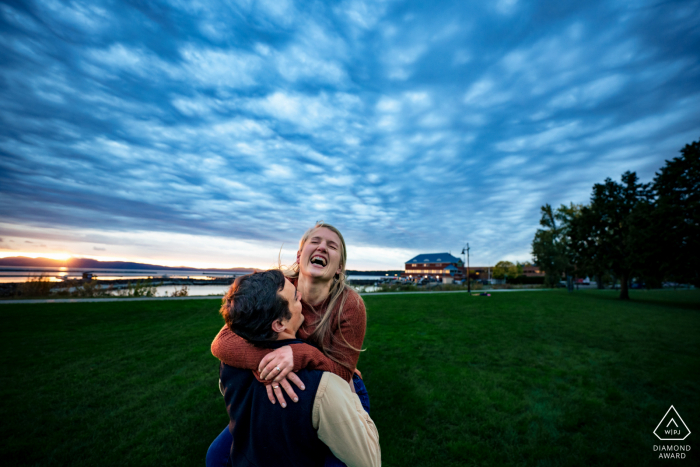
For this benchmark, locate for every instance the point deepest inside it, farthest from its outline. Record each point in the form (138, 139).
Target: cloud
(411, 127)
(220, 68)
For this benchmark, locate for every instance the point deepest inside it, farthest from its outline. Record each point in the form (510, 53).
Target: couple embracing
(288, 373)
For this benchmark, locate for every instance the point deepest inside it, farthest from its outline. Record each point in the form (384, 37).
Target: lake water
(58, 274)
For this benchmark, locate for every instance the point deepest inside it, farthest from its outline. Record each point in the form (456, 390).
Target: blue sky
(213, 134)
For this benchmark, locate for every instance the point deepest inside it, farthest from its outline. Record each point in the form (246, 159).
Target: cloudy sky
(214, 133)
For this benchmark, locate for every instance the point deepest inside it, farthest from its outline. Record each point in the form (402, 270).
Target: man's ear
(278, 327)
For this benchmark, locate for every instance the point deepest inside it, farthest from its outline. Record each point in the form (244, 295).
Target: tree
(676, 217)
(613, 231)
(550, 245)
(584, 249)
(503, 268)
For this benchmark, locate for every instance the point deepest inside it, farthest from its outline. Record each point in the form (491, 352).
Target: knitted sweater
(238, 353)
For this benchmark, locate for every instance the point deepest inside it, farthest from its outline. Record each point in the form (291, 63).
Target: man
(265, 309)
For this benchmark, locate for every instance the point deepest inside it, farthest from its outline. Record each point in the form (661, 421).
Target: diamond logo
(672, 427)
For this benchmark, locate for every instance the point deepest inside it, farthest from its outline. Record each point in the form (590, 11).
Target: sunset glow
(412, 127)
(61, 256)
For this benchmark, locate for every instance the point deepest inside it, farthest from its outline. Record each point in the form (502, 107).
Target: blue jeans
(220, 449)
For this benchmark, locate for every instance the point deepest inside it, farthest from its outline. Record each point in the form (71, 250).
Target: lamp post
(465, 250)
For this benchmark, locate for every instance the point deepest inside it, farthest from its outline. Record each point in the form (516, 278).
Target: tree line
(648, 232)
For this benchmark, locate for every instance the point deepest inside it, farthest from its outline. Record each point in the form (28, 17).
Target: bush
(142, 288)
(526, 280)
(181, 292)
(39, 286)
(397, 288)
(82, 288)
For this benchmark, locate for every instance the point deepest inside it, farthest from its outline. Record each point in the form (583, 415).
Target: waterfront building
(438, 266)
(447, 268)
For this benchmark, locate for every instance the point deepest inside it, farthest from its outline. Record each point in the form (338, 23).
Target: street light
(469, 283)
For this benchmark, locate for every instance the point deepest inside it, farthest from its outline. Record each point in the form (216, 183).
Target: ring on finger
(275, 387)
(277, 368)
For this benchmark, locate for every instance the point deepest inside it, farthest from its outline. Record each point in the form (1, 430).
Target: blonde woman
(334, 321)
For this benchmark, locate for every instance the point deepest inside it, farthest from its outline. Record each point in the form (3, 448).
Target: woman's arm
(347, 339)
(239, 353)
(235, 351)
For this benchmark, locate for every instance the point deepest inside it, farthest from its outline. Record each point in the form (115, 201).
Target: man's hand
(277, 364)
(275, 389)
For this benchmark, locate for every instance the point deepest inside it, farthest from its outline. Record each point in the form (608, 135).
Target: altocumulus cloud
(411, 126)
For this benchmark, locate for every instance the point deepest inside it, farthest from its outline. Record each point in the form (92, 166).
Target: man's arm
(343, 425)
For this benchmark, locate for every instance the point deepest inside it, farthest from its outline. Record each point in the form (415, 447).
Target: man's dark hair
(252, 304)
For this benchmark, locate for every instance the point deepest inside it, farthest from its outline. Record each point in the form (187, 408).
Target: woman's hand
(277, 364)
(275, 389)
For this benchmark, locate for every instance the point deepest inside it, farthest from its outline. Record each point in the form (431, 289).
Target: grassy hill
(528, 378)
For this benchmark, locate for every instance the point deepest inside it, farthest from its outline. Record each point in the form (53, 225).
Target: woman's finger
(263, 363)
(289, 390)
(296, 380)
(282, 373)
(270, 395)
(278, 393)
(263, 372)
(267, 369)
(271, 370)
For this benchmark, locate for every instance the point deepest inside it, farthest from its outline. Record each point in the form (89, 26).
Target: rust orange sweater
(238, 353)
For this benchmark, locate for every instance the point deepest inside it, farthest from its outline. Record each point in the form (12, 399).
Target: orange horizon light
(26, 254)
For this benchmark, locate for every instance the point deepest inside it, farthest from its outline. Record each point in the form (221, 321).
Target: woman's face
(320, 256)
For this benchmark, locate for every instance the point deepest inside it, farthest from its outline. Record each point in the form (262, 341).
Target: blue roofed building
(447, 268)
(440, 266)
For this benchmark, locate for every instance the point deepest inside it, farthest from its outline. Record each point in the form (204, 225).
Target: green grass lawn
(523, 378)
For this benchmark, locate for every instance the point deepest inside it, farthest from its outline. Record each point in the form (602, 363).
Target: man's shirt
(328, 414)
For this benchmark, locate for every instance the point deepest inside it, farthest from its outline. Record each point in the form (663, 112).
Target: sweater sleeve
(237, 352)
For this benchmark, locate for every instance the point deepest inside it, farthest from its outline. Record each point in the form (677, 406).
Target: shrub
(526, 280)
(39, 286)
(83, 288)
(142, 288)
(181, 292)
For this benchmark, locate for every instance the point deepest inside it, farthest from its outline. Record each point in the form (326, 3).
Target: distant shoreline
(87, 264)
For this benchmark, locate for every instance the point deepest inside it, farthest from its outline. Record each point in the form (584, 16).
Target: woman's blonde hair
(336, 297)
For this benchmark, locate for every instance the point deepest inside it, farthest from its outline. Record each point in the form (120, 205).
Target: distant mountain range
(86, 263)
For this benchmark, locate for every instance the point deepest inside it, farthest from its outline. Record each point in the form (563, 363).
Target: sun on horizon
(57, 256)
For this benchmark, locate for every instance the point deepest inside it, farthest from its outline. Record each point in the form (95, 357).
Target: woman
(334, 321)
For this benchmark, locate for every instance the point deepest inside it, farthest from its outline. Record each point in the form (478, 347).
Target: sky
(213, 134)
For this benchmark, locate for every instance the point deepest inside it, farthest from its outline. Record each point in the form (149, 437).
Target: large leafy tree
(584, 244)
(613, 231)
(676, 217)
(506, 268)
(550, 245)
